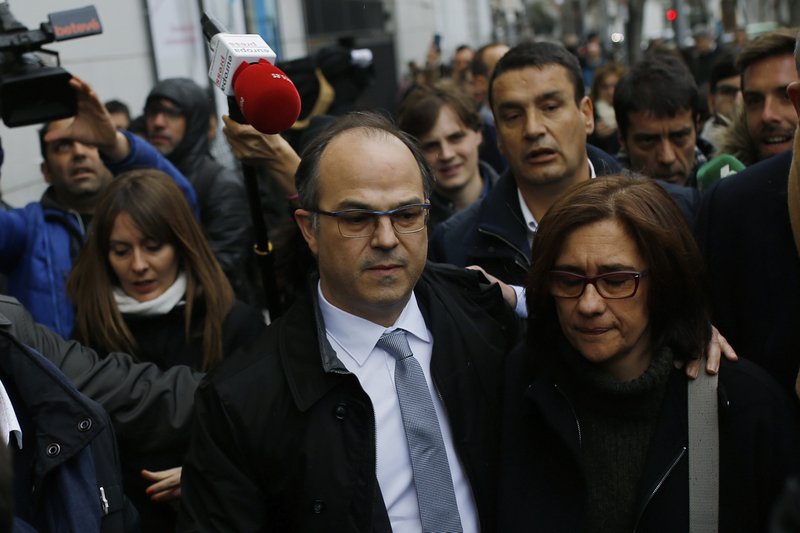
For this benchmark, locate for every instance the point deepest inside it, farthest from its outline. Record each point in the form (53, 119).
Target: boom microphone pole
(261, 95)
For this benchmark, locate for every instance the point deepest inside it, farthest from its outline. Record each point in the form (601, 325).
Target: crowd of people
(547, 292)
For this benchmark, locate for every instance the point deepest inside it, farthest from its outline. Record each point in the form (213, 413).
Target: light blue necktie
(438, 510)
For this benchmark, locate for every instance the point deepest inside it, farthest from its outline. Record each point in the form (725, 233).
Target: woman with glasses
(596, 413)
(147, 283)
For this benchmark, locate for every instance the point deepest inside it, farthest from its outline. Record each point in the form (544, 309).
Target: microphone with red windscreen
(263, 96)
(266, 96)
(242, 65)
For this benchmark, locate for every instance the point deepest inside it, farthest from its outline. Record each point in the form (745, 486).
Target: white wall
(116, 63)
(458, 21)
(291, 22)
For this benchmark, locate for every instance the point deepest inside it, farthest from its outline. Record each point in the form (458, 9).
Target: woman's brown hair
(160, 211)
(677, 305)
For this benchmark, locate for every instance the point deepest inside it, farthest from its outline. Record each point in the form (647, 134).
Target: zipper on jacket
(103, 501)
(658, 486)
(574, 414)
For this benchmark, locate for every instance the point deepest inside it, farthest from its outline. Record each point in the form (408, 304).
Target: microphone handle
(262, 246)
(211, 26)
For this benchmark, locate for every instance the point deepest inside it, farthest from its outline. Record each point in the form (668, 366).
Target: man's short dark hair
(775, 43)
(43, 145)
(478, 65)
(659, 84)
(540, 55)
(420, 109)
(307, 176)
(115, 106)
(724, 67)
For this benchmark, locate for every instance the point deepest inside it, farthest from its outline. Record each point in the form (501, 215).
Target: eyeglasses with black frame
(611, 285)
(355, 223)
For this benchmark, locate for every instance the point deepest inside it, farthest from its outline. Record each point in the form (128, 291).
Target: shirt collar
(530, 222)
(359, 336)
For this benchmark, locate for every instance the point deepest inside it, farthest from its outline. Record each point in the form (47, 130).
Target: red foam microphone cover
(267, 97)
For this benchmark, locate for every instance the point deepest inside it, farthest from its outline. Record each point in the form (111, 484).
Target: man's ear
(46, 172)
(794, 95)
(587, 110)
(304, 221)
(621, 139)
(710, 102)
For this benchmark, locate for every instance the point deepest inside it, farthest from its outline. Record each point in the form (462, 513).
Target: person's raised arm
(92, 125)
(272, 152)
(121, 151)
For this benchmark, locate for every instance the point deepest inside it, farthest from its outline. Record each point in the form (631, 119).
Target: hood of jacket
(737, 140)
(194, 101)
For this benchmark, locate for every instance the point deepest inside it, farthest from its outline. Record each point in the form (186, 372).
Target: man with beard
(749, 231)
(656, 108)
(177, 117)
(39, 242)
(767, 67)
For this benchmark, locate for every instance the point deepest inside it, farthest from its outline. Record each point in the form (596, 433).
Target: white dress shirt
(354, 339)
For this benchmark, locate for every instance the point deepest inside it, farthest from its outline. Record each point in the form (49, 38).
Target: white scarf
(161, 305)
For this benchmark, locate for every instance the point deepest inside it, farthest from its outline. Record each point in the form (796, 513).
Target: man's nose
(534, 127)
(80, 150)
(384, 235)
(666, 152)
(771, 112)
(447, 152)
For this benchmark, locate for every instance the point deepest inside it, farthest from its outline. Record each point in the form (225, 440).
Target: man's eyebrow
(682, 131)
(358, 204)
(510, 104)
(645, 136)
(549, 95)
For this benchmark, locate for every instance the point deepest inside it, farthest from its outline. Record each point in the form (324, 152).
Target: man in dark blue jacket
(542, 117)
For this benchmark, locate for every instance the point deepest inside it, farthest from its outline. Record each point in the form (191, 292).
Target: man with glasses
(724, 97)
(177, 117)
(316, 428)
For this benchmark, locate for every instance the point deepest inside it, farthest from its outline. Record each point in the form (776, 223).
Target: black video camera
(31, 91)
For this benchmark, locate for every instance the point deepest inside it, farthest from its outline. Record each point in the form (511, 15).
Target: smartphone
(437, 41)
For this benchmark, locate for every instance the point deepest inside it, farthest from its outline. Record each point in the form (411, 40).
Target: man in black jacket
(303, 432)
(177, 115)
(749, 232)
(542, 118)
